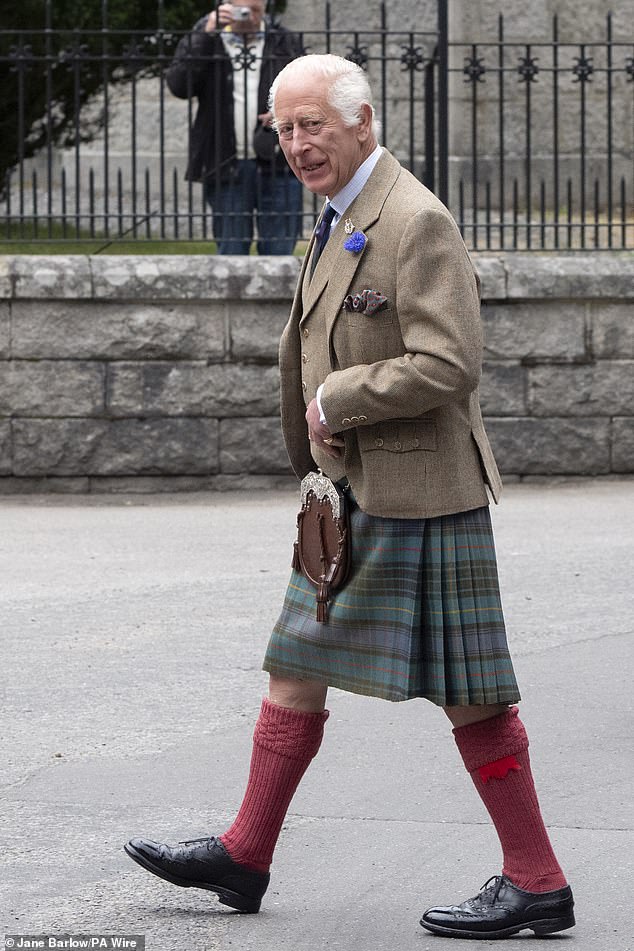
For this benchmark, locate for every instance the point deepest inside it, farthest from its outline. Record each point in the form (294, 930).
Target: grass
(152, 246)
(55, 246)
(22, 238)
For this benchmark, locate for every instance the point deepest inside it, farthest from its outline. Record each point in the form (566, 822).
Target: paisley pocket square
(367, 302)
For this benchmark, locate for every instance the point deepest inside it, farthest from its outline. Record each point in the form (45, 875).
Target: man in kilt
(380, 364)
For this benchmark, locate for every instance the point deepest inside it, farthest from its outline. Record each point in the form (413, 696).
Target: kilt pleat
(420, 616)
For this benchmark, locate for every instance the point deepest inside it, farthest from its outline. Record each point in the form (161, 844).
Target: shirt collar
(344, 198)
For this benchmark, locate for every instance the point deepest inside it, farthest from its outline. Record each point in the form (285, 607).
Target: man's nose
(299, 143)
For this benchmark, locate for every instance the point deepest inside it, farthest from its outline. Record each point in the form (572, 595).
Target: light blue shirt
(344, 198)
(341, 202)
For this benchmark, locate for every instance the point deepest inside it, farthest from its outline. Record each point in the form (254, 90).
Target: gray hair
(348, 86)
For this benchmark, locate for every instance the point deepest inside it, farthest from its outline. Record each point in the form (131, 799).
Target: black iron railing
(529, 143)
(112, 164)
(545, 159)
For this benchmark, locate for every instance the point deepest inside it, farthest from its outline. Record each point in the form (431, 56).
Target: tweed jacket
(401, 384)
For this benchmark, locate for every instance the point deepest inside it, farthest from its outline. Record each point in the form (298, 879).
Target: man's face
(252, 24)
(323, 153)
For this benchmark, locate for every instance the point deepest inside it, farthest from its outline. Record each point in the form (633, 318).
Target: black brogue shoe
(202, 863)
(500, 910)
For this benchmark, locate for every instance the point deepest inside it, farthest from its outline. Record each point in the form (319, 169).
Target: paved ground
(132, 631)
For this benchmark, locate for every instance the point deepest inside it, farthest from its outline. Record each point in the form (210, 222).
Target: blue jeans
(276, 201)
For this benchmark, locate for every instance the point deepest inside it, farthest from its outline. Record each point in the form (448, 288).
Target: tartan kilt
(420, 615)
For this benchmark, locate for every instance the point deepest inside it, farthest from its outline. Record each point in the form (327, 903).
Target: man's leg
(233, 204)
(279, 212)
(532, 891)
(287, 736)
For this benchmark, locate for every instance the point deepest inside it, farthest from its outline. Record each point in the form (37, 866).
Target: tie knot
(325, 223)
(329, 213)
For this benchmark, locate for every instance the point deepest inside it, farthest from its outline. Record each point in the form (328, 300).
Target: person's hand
(266, 119)
(319, 433)
(220, 17)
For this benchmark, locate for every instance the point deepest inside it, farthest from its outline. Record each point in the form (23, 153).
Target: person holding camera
(228, 63)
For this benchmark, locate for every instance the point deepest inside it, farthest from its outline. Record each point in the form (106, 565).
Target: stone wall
(152, 373)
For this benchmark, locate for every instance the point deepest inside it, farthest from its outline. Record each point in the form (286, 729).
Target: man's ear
(364, 127)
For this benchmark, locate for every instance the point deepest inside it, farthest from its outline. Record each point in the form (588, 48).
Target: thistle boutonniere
(356, 240)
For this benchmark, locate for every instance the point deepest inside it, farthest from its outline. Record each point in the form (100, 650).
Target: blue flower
(356, 242)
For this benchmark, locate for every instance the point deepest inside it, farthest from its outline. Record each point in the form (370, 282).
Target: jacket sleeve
(190, 66)
(292, 407)
(438, 309)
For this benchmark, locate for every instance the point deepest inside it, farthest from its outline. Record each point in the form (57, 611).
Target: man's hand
(319, 433)
(224, 16)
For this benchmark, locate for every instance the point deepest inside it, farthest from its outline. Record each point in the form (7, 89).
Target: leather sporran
(322, 551)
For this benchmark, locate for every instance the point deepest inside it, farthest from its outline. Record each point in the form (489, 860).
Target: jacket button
(378, 443)
(416, 443)
(345, 421)
(304, 358)
(306, 332)
(354, 419)
(398, 445)
(304, 387)
(363, 419)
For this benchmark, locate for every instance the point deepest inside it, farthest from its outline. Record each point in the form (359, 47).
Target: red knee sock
(495, 751)
(284, 742)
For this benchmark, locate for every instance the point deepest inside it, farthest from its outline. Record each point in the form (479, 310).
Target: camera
(241, 13)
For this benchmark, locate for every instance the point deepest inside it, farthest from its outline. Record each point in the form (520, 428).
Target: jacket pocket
(399, 435)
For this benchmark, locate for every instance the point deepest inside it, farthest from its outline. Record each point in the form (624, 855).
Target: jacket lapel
(337, 267)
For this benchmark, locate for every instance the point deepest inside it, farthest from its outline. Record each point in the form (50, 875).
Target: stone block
(613, 329)
(48, 277)
(623, 444)
(51, 388)
(192, 389)
(255, 329)
(6, 281)
(6, 464)
(252, 446)
(150, 277)
(556, 446)
(520, 331)
(605, 388)
(492, 276)
(503, 389)
(271, 278)
(5, 330)
(46, 485)
(119, 331)
(576, 276)
(178, 277)
(115, 448)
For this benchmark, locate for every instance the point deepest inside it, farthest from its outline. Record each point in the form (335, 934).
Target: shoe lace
(204, 838)
(491, 888)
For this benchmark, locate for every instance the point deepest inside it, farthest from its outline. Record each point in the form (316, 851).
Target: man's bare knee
(307, 695)
(463, 716)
